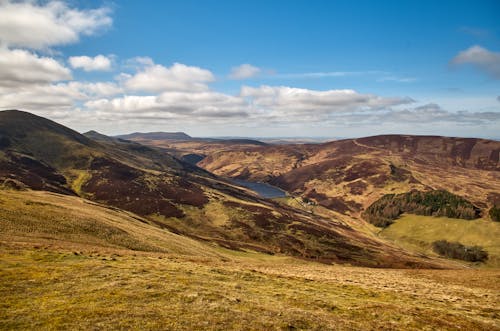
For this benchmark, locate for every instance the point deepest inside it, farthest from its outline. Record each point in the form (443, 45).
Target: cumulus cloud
(244, 71)
(45, 98)
(481, 58)
(97, 63)
(172, 105)
(43, 25)
(178, 77)
(20, 67)
(54, 97)
(288, 100)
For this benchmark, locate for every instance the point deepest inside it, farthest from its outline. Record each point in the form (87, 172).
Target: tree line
(456, 250)
(384, 211)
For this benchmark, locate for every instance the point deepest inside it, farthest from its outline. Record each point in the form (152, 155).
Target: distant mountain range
(156, 136)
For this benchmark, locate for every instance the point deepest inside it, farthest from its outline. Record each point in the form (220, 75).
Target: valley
(104, 226)
(224, 165)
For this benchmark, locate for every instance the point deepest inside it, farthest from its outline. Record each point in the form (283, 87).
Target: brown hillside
(348, 175)
(171, 194)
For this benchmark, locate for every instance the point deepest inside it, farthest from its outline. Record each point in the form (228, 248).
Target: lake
(262, 189)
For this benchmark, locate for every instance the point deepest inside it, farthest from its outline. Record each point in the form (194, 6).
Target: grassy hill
(97, 232)
(69, 263)
(45, 219)
(177, 196)
(417, 233)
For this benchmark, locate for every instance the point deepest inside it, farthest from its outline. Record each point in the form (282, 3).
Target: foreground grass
(57, 289)
(416, 232)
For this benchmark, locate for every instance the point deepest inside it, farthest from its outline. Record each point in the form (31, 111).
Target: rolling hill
(101, 231)
(70, 263)
(349, 175)
(354, 179)
(40, 154)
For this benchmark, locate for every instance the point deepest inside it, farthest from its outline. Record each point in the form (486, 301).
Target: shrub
(495, 213)
(456, 250)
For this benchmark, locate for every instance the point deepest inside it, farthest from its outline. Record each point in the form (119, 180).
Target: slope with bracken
(40, 154)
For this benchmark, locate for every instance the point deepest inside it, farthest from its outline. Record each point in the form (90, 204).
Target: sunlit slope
(419, 232)
(56, 289)
(37, 218)
(177, 196)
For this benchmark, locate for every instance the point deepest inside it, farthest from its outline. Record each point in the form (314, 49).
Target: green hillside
(419, 232)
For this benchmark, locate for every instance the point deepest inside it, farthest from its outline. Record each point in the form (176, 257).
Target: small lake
(262, 189)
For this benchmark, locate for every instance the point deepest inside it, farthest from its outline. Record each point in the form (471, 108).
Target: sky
(255, 68)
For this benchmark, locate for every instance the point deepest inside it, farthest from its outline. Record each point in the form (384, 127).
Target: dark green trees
(384, 211)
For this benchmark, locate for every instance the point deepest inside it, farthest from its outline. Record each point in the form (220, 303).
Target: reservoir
(262, 189)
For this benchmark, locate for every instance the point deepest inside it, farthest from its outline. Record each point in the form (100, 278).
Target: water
(262, 189)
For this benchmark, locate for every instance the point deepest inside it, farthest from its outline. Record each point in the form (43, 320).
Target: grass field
(47, 289)
(67, 263)
(419, 232)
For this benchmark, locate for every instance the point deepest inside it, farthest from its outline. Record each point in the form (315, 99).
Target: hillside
(101, 231)
(69, 263)
(417, 233)
(193, 150)
(349, 175)
(172, 194)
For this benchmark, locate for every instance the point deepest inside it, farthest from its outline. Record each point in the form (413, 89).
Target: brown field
(68, 263)
(61, 288)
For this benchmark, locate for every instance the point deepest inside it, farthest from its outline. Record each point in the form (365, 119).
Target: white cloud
(244, 71)
(97, 63)
(287, 101)
(195, 106)
(20, 67)
(98, 89)
(43, 25)
(43, 98)
(54, 97)
(178, 77)
(481, 58)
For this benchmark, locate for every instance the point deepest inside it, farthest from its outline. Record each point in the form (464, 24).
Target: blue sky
(260, 68)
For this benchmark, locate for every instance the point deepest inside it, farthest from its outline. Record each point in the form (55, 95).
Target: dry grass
(44, 218)
(92, 267)
(417, 233)
(46, 289)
